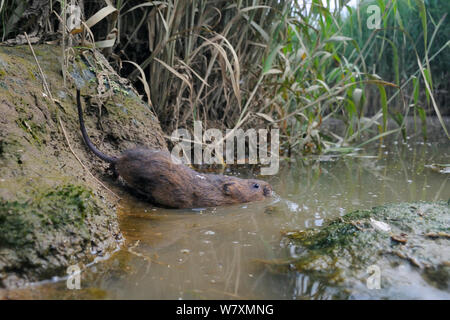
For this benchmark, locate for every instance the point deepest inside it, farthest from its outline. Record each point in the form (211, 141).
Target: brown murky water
(213, 253)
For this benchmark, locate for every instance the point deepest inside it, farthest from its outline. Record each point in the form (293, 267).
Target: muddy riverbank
(53, 212)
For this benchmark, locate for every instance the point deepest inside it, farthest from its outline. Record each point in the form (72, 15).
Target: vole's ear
(228, 188)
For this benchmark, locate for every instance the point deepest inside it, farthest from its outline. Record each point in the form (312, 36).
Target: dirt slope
(53, 213)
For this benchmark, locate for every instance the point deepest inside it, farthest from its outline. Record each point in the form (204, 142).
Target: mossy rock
(50, 232)
(407, 243)
(53, 211)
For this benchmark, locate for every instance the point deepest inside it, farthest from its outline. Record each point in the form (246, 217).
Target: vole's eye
(255, 186)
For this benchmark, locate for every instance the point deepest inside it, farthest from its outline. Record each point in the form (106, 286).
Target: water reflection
(214, 253)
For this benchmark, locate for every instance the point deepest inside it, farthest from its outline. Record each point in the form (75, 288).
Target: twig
(46, 87)
(140, 255)
(70, 147)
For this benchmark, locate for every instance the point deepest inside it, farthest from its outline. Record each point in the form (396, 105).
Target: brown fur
(153, 174)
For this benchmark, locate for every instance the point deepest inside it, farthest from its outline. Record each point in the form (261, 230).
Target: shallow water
(214, 253)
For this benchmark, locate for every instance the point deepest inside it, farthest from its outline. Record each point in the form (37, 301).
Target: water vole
(154, 174)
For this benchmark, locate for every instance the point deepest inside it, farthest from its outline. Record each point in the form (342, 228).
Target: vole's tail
(97, 152)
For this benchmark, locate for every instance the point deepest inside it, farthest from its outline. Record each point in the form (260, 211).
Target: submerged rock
(388, 252)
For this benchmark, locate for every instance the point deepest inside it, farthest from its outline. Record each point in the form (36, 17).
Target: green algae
(409, 235)
(58, 219)
(22, 222)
